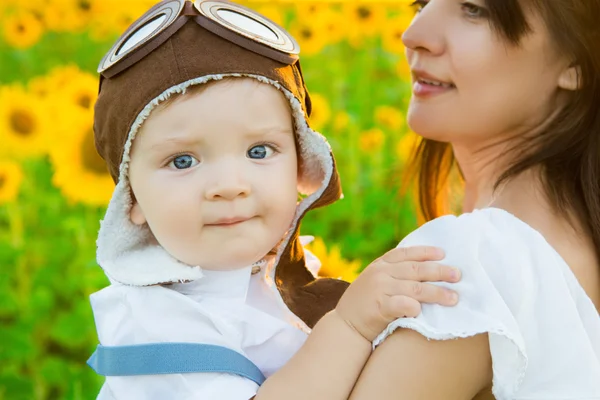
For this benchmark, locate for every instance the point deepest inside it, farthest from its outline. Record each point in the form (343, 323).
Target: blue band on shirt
(171, 358)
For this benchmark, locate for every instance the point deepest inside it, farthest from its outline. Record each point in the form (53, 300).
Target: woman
(510, 91)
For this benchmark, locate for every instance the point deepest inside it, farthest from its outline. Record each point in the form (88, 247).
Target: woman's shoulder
(492, 246)
(518, 289)
(489, 235)
(496, 222)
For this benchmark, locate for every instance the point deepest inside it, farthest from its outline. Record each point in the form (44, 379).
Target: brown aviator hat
(175, 45)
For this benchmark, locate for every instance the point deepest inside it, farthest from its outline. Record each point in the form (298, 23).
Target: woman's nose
(425, 33)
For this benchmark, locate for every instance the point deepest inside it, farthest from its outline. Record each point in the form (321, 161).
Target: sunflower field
(54, 187)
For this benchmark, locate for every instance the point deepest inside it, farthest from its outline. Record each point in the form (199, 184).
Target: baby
(202, 118)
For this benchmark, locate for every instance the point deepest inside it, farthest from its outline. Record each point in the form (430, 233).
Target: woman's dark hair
(568, 150)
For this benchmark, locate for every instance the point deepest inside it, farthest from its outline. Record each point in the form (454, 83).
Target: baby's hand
(391, 287)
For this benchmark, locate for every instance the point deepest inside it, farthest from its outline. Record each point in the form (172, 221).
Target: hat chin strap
(129, 254)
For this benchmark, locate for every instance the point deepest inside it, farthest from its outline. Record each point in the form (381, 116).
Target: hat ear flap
(308, 103)
(299, 77)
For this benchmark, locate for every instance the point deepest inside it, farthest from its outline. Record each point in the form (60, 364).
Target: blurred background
(54, 187)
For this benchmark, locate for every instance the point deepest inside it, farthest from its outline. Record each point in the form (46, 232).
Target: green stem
(16, 226)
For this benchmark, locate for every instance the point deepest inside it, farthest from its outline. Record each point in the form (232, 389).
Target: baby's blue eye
(183, 162)
(260, 152)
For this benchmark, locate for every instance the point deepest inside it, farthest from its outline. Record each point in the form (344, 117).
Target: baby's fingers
(416, 253)
(395, 307)
(423, 292)
(406, 300)
(423, 271)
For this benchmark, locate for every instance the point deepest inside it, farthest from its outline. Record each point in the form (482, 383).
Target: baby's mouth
(228, 221)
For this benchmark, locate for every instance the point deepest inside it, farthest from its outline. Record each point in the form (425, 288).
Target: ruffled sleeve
(544, 332)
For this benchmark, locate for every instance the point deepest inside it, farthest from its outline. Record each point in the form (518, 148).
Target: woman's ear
(570, 79)
(136, 215)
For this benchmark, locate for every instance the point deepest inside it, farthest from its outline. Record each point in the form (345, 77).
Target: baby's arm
(331, 360)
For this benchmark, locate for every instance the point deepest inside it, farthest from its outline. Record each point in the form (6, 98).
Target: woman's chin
(428, 128)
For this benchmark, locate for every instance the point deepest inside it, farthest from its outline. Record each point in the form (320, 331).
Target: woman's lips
(426, 89)
(427, 85)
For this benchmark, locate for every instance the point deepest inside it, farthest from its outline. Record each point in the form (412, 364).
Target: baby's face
(214, 174)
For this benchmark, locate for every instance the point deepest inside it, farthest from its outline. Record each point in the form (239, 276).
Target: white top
(233, 309)
(544, 331)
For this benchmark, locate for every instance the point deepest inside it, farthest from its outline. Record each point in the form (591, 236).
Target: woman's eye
(472, 10)
(184, 161)
(260, 152)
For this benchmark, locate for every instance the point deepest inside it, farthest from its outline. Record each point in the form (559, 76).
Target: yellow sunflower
(11, 177)
(406, 146)
(79, 172)
(389, 117)
(57, 79)
(310, 37)
(77, 87)
(102, 29)
(273, 13)
(341, 121)
(309, 10)
(392, 32)
(321, 112)
(23, 123)
(402, 7)
(135, 9)
(331, 23)
(82, 91)
(333, 265)
(38, 86)
(372, 140)
(403, 69)
(22, 30)
(364, 19)
(85, 8)
(129, 12)
(60, 16)
(114, 16)
(312, 12)
(9, 6)
(69, 15)
(6, 5)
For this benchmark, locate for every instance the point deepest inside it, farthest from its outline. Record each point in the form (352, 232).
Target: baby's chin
(229, 263)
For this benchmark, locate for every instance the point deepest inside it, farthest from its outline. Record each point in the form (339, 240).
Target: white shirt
(544, 331)
(233, 309)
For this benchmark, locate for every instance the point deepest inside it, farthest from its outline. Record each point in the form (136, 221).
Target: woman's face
(470, 85)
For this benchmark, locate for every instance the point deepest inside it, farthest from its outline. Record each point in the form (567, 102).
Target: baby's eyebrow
(272, 130)
(166, 143)
(174, 141)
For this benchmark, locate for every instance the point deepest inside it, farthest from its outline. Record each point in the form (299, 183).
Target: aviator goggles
(230, 21)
